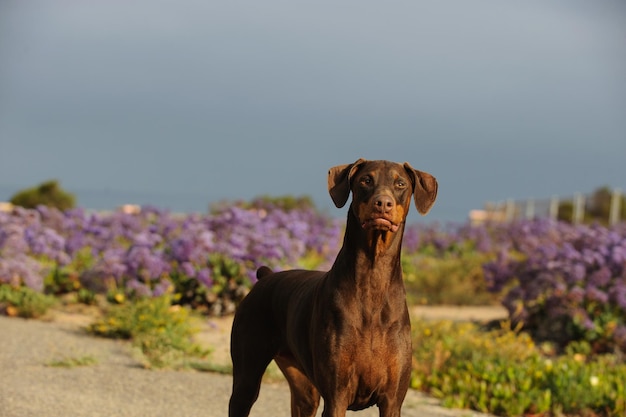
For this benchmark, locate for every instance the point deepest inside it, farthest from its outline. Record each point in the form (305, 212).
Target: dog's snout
(383, 203)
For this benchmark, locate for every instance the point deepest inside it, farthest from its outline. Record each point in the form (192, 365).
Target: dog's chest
(374, 370)
(371, 354)
(377, 359)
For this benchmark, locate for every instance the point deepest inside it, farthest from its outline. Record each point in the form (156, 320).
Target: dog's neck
(371, 257)
(368, 274)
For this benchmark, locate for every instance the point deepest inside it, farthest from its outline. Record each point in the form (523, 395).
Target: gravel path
(117, 385)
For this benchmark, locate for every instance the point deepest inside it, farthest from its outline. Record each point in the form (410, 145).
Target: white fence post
(530, 209)
(579, 208)
(616, 201)
(554, 207)
(509, 210)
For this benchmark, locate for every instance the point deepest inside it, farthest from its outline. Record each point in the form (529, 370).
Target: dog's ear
(339, 182)
(424, 188)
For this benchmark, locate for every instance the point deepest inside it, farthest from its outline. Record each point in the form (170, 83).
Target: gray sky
(181, 103)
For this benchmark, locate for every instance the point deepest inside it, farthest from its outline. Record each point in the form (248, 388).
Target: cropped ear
(339, 182)
(424, 188)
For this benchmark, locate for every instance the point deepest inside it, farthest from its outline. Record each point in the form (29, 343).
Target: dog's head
(381, 191)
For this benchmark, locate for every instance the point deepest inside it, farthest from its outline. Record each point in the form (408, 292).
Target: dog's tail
(263, 272)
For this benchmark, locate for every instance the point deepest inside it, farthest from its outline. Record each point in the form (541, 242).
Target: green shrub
(48, 193)
(66, 279)
(24, 302)
(162, 332)
(228, 287)
(451, 278)
(502, 372)
(578, 384)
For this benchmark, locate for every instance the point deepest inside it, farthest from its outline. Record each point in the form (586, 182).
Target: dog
(345, 334)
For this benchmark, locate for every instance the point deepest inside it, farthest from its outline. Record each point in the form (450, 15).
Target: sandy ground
(116, 385)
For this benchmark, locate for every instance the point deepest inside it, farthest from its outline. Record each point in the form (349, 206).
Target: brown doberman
(342, 334)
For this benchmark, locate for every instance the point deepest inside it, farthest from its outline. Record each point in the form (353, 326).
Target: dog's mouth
(380, 223)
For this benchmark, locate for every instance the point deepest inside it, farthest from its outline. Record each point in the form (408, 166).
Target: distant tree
(287, 203)
(566, 211)
(597, 207)
(599, 204)
(48, 193)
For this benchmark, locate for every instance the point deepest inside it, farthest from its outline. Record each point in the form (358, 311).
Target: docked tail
(263, 272)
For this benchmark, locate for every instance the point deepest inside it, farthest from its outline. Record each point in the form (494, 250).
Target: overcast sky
(182, 103)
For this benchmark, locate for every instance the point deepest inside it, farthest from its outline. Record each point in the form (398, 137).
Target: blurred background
(183, 104)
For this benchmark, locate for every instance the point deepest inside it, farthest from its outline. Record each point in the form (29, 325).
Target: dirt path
(117, 386)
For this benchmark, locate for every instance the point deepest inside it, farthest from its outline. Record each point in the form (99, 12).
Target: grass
(73, 362)
(24, 302)
(208, 366)
(161, 332)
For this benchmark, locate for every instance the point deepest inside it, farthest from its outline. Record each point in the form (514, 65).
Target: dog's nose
(383, 203)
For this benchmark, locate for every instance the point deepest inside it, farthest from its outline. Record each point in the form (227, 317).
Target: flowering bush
(565, 282)
(503, 372)
(155, 252)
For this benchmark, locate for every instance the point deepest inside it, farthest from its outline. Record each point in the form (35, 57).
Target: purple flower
(21, 270)
(617, 294)
(144, 263)
(576, 295)
(601, 277)
(620, 337)
(204, 277)
(594, 294)
(181, 249)
(161, 288)
(138, 288)
(582, 319)
(618, 254)
(111, 265)
(148, 239)
(577, 272)
(188, 269)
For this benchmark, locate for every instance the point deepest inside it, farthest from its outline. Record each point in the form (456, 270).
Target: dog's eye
(400, 184)
(367, 180)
